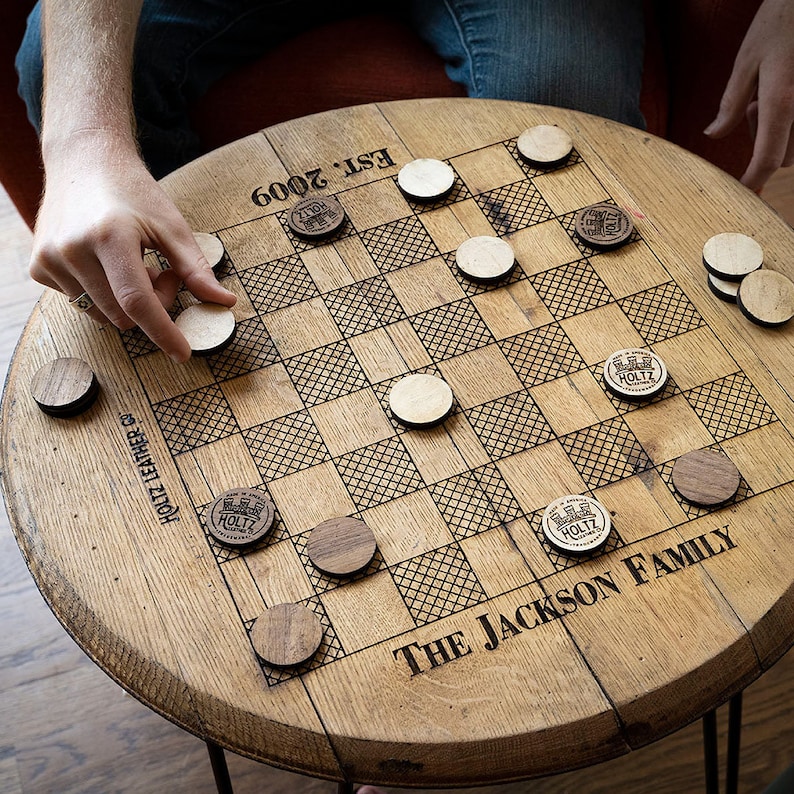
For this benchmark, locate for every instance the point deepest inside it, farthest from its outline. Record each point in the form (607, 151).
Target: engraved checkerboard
(463, 583)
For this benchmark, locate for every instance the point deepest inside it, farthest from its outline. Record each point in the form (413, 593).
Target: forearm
(88, 52)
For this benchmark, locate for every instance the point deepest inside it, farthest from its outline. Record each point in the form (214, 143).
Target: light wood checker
(681, 608)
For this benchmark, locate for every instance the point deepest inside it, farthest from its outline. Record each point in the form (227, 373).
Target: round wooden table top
(469, 650)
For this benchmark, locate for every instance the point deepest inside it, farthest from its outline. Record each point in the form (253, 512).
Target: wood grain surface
(646, 646)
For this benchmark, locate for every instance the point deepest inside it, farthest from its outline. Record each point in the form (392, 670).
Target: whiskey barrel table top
(469, 650)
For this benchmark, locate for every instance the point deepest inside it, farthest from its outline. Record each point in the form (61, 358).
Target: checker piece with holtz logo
(240, 516)
(635, 374)
(576, 524)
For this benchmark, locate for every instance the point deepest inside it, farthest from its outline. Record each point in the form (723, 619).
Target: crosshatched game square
(571, 289)
(597, 334)
(668, 429)
(302, 327)
(488, 168)
(661, 312)
(542, 354)
(399, 244)
(573, 402)
(374, 204)
(640, 506)
(538, 476)
(605, 452)
(513, 207)
(286, 445)
(543, 246)
(451, 330)
(425, 286)
(407, 526)
(262, 395)
(326, 373)
(367, 611)
(351, 421)
(378, 473)
(255, 242)
(310, 496)
(510, 424)
(480, 376)
(278, 283)
(464, 505)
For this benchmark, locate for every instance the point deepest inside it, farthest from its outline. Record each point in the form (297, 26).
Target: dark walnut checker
(341, 546)
(316, 217)
(544, 145)
(485, 258)
(286, 635)
(208, 327)
(426, 179)
(576, 524)
(732, 255)
(635, 374)
(421, 400)
(767, 298)
(706, 477)
(603, 226)
(64, 387)
(240, 516)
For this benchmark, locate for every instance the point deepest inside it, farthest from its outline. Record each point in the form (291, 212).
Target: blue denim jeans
(582, 54)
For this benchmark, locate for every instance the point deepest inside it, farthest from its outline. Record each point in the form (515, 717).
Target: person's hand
(761, 88)
(101, 209)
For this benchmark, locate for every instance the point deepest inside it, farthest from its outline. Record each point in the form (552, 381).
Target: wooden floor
(65, 727)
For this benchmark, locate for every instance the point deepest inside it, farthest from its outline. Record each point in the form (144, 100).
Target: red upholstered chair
(691, 46)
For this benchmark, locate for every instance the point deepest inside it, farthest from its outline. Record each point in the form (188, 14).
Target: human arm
(101, 206)
(761, 88)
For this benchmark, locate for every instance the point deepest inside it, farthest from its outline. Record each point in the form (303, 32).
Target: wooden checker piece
(341, 546)
(286, 635)
(576, 524)
(240, 517)
(603, 226)
(316, 217)
(635, 374)
(208, 327)
(724, 290)
(421, 400)
(544, 145)
(732, 256)
(426, 179)
(64, 387)
(211, 247)
(706, 477)
(767, 298)
(485, 259)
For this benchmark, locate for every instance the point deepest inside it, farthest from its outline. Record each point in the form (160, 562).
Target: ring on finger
(82, 303)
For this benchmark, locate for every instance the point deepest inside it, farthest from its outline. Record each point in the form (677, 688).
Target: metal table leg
(710, 752)
(219, 769)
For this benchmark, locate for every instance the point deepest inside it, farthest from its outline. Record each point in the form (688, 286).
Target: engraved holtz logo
(240, 516)
(575, 523)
